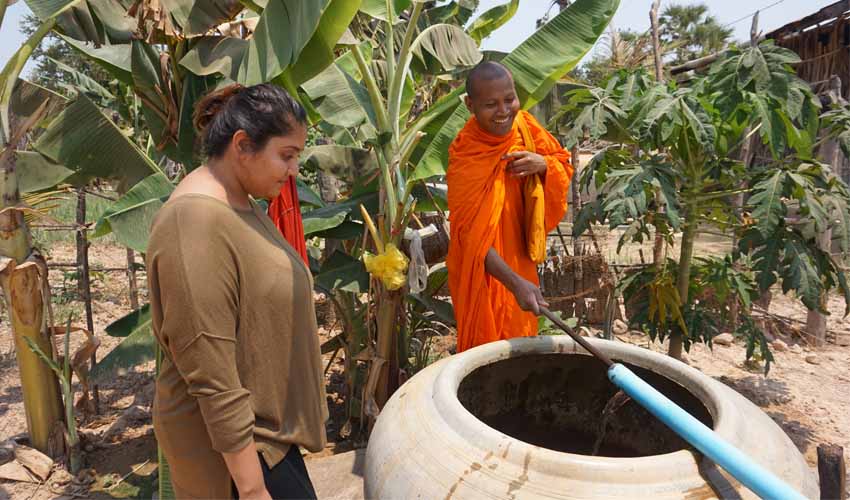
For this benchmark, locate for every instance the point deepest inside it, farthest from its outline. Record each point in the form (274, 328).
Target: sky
(632, 14)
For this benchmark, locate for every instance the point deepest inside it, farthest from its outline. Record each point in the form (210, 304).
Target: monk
(498, 220)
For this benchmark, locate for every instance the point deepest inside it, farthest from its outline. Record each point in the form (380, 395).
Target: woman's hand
(528, 295)
(263, 494)
(525, 163)
(260, 494)
(246, 471)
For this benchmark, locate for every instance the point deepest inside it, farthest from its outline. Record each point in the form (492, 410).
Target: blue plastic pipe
(755, 477)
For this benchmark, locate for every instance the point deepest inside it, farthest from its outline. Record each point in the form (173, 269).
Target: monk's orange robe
(285, 212)
(486, 210)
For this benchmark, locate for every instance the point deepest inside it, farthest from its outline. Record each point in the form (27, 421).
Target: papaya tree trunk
(21, 283)
(689, 233)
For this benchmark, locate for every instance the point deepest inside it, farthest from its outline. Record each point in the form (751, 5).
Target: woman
(240, 388)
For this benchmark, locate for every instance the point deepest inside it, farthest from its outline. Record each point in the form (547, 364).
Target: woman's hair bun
(213, 103)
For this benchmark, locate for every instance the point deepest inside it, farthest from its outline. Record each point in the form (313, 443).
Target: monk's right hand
(528, 296)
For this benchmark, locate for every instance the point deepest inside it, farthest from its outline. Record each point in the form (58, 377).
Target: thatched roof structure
(822, 40)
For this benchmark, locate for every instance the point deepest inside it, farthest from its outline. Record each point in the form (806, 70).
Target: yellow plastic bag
(390, 266)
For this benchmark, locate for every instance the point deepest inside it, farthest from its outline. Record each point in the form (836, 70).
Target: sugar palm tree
(693, 29)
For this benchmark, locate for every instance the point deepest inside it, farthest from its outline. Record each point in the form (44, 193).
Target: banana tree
(22, 271)
(366, 101)
(681, 141)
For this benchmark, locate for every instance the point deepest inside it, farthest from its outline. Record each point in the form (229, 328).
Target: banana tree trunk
(684, 276)
(21, 283)
(389, 304)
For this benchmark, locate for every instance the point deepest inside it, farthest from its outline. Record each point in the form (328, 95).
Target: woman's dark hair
(262, 111)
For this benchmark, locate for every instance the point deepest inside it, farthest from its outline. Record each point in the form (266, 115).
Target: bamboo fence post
(131, 278)
(84, 283)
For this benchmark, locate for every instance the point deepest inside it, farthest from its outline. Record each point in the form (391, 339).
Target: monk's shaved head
(485, 71)
(491, 97)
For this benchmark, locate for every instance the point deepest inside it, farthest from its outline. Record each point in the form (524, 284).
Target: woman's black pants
(288, 479)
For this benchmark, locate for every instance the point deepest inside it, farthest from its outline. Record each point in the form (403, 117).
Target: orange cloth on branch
(285, 212)
(487, 210)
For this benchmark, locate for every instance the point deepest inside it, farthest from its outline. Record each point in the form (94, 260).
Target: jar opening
(558, 401)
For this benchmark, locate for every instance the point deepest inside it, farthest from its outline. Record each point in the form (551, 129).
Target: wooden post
(832, 472)
(656, 40)
(576, 192)
(754, 30)
(83, 281)
(131, 279)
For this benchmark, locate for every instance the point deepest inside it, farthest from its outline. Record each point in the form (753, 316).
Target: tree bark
(83, 281)
(684, 277)
(22, 284)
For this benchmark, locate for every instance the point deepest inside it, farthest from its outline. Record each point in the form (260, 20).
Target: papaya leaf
(801, 275)
(767, 200)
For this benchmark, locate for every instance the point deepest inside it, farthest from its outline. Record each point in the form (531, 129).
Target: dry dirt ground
(811, 402)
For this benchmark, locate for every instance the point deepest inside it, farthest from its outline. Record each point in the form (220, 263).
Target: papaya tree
(682, 140)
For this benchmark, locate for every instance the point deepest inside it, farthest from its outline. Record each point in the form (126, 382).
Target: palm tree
(695, 32)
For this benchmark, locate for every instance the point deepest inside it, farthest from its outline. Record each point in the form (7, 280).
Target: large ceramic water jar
(521, 418)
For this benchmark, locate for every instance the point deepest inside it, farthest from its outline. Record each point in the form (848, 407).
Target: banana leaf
(196, 17)
(130, 217)
(283, 31)
(28, 97)
(378, 8)
(492, 20)
(115, 59)
(216, 54)
(306, 195)
(137, 348)
(136, 320)
(443, 48)
(13, 67)
(87, 142)
(319, 51)
(36, 173)
(348, 163)
(47, 9)
(117, 25)
(343, 272)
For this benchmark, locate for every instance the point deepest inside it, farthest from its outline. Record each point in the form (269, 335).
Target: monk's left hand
(525, 163)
